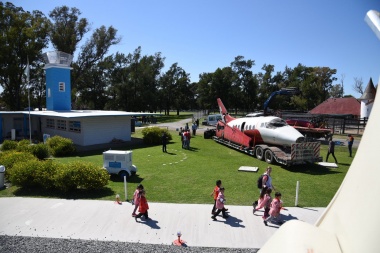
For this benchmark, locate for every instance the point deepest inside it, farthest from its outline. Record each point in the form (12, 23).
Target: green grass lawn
(188, 176)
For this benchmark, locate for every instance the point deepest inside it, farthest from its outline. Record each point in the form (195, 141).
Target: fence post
(125, 188)
(297, 189)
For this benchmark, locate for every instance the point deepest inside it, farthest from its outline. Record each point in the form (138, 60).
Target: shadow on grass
(133, 179)
(74, 194)
(311, 169)
(193, 149)
(135, 143)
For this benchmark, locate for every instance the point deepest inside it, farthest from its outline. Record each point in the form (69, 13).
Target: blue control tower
(58, 81)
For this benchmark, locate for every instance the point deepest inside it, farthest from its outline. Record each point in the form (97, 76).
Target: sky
(203, 35)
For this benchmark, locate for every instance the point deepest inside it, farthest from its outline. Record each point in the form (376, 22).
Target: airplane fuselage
(268, 130)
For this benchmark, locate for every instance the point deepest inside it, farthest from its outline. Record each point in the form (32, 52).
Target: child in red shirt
(275, 208)
(215, 193)
(143, 207)
(136, 198)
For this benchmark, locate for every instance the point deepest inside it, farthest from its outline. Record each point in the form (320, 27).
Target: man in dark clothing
(164, 141)
(350, 143)
(331, 150)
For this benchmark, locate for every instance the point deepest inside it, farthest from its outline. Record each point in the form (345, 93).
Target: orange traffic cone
(118, 199)
(179, 242)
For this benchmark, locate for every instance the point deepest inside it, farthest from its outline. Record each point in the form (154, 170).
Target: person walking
(264, 200)
(164, 141)
(220, 204)
(143, 207)
(266, 183)
(194, 128)
(267, 179)
(184, 139)
(331, 150)
(136, 198)
(350, 143)
(215, 194)
(275, 208)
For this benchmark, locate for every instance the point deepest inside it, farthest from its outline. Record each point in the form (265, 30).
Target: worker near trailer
(331, 150)
(350, 143)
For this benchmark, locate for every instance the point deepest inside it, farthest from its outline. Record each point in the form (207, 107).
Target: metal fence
(347, 126)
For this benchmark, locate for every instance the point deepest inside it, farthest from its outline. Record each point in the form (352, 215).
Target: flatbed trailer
(299, 153)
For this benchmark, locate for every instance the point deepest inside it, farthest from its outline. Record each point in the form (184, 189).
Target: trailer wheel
(122, 174)
(269, 156)
(259, 153)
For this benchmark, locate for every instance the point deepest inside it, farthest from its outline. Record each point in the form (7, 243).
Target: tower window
(61, 86)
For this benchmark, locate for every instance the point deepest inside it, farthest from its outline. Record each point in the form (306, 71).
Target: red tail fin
(227, 118)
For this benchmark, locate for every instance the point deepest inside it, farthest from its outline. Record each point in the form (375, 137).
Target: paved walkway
(109, 221)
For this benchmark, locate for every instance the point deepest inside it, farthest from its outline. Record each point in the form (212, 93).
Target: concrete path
(109, 221)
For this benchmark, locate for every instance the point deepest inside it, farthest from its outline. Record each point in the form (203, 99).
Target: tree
(174, 89)
(203, 90)
(246, 84)
(342, 77)
(67, 30)
(24, 35)
(119, 92)
(88, 70)
(336, 91)
(358, 85)
(266, 84)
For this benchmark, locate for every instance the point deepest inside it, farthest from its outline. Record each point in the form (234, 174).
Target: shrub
(24, 146)
(45, 174)
(24, 174)
(11, 158)
(83, 175)
(153, 135)
(8, 145)
(60, 146)
(40, 150)
(63, 179)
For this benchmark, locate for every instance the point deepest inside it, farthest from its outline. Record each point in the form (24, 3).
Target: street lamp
(27, 72)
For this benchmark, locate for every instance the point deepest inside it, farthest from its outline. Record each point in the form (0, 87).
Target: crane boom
(291, 91)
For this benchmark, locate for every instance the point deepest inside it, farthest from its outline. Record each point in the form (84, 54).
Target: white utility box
(119, 162)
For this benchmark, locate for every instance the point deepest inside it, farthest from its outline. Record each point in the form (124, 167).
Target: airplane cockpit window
(274, 123)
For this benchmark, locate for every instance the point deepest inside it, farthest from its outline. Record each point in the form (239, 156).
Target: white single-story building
(84, 128)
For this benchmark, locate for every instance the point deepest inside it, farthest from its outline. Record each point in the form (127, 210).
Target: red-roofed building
(338, 106)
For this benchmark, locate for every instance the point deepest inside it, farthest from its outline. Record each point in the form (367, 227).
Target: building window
(61, 124)
(50, 123)
(49, 95)
(75, 126)
(62, 86)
